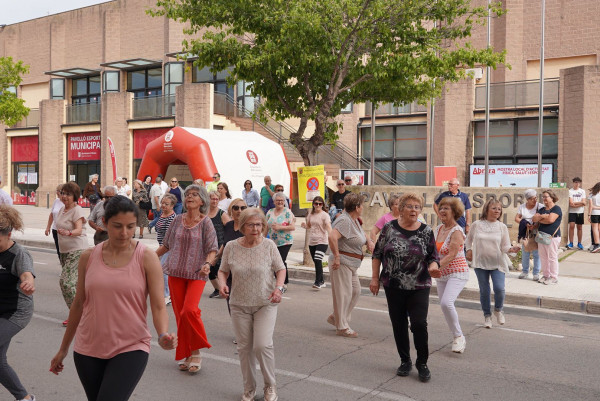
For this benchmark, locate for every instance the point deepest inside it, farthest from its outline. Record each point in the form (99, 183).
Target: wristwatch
(281, 289)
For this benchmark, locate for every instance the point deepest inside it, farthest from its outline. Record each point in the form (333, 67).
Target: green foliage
(12, 109)
(309, 58)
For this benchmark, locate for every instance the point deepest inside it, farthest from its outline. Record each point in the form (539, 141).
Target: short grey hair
(139, 182)
(94, 176)
(110, 188)
(171, 197)
(393, 199)
(203, 195)
(280, 195)
(215, 193)
(252, 212)
(530, 193)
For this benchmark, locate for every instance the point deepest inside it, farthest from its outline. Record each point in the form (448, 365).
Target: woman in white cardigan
(487, 245)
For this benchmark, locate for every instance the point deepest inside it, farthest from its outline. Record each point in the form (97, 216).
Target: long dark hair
(595, 189)
(227, 194)
(319, 199)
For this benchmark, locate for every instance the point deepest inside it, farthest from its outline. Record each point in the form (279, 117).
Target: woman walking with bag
(319, 224)
(529, 247)
(140, 198)
(549, 219)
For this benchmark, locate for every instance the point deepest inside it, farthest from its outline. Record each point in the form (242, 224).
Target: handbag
(544, 238)
(529, 243)
(145, 205)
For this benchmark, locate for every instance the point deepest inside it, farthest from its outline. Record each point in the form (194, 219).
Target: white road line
(41, 263)
(314, 379)
(527, 332)
(371, 310)
(286, 298)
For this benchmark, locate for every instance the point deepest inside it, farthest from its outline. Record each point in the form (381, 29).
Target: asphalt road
(537, 355)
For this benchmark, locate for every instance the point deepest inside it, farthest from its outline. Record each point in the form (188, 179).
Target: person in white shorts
(576, 210)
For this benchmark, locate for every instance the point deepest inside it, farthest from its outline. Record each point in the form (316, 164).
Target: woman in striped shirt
(167, 208)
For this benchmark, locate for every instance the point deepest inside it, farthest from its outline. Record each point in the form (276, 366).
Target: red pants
(185, 297)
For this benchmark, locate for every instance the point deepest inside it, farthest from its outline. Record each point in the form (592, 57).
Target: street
(537, 355)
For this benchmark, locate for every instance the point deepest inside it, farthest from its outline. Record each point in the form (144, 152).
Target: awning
(74, 72)
(134, 63)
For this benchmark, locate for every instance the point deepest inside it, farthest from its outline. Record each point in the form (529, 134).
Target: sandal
(347, 333)
(141, 236)
(183, 364)
(194, 367)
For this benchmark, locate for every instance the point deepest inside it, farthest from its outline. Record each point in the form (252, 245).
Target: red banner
(24, 149)
(84, 146)
(113, 158)
(142, 137)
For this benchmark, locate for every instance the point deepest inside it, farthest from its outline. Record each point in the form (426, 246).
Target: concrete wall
(510, 198)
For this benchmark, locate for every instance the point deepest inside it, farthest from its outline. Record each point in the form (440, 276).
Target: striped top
(458, 267)
(162, 225)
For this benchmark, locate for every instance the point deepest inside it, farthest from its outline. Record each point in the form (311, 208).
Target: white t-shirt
(596, 202)
(527, 214)
(578, 195)
(224, 204)
(156, 190)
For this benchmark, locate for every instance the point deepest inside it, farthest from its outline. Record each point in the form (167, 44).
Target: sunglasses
(340, 185)
(279, 190)
(318, 203)
(215, 177)
(173, 180)
(236, 207)
(348, 181)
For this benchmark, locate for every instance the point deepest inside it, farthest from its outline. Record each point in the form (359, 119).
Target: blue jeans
(178, 208)
(156, 213)
(525, 261)
(163, 260)
(483, 277)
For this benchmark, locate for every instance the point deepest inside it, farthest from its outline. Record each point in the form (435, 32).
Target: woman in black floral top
(406, 247)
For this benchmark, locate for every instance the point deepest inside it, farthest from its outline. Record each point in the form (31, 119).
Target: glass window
(57, 88)
(80, 87)
(347, 108)
(411, 172)
(154, 77)
(527, 139)
(202, 75)
(174, 73)
(94, 84)
(111, 81)
(136, 80)
(501, 138)
(384, 138)
(411, 141)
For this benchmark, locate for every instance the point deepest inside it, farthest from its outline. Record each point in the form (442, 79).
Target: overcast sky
(13, 11)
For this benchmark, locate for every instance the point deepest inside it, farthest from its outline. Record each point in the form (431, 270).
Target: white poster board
(510, 175)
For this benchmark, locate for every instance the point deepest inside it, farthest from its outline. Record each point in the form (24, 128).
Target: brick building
(110, 70)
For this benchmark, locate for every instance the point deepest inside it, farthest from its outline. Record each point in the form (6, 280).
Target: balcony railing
(388, 109)
(153, 107)
(83, 113)
(32, 120)
(509, 95)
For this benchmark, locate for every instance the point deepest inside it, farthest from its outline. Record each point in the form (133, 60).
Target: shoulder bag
(544, 238)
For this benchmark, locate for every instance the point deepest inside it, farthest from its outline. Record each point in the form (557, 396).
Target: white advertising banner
(510, 175)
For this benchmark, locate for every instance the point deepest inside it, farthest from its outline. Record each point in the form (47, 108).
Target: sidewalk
(578, 289)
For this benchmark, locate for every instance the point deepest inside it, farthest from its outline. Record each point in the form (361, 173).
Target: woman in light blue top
(250, 195)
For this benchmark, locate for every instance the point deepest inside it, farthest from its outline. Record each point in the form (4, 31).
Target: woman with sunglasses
(219, 218)
(224, 196)
(281, 222)
(250, 195)
(176, 190)
(319, 224)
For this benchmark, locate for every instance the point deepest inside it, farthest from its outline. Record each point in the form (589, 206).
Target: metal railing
(32, 120)
(153, 106)
(507, 95)
(281, 132)
(83, 113)
(388, 109)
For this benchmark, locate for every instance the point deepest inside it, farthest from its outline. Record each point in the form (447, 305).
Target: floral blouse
(286, 217)
(405, 256)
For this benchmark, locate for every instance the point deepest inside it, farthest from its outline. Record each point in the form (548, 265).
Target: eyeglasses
(65, 193)
(173, 180)
(279, 190)
(318, 203)
(236, 207)
(348, 181)
(253, 225)
(194, 194)
(412, 207)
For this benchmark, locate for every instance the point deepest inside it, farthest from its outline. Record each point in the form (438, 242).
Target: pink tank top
(115, 308)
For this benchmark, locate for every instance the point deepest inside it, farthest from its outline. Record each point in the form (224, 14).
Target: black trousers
(317, 253)
(413, 304)
(111, 379)
(55, 236)
(283, 251)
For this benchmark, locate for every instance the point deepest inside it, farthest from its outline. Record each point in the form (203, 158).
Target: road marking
(527, 332)
(41, 263)
(371, 310)
(286, 298)
(314, 379)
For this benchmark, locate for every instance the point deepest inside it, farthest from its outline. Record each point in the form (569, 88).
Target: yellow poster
(311, 183)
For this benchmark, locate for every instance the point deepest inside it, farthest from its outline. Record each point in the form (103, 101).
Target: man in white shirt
(156, 194)
(5, 198)
(122, 189)
(576, 210)
(163, 184)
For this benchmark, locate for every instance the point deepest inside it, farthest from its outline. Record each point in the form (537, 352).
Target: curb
(569, 305)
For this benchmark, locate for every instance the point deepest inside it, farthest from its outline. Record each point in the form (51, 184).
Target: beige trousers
(253, 327)
(345, 288)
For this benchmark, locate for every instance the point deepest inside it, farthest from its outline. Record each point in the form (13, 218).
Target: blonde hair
(410, 196)
(457, 207)
(250, 213)
(232, 203)
(10, 219)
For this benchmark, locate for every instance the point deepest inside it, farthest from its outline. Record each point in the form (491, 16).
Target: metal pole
(372, 143)
(487, 105)
(541, 110)
(431, 142)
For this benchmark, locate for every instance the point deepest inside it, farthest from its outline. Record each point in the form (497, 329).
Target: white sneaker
(488, 322)
(459, 344)
(29, 399)
(167, 300)
(248, 395)
(270, 393)
(523, 275)
(322, 285)
(500, 317)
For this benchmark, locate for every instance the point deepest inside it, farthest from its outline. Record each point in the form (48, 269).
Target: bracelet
(162, 335)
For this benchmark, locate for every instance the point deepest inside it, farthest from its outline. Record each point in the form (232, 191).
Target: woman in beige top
(72, 240)
(254, 298)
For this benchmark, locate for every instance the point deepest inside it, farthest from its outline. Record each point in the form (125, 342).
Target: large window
(219, 79)
(400, 152)
(144, 83)
(516, 142)
(86, 90)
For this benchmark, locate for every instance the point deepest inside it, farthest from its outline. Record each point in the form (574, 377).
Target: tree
(12, 109)
(307, 59)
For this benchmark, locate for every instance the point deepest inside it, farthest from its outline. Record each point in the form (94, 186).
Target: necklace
(191, 222)
(114, 255)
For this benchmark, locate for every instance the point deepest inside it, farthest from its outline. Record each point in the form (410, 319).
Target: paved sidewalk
(578, 289)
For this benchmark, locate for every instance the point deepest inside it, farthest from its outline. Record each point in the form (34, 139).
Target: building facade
(112, 71)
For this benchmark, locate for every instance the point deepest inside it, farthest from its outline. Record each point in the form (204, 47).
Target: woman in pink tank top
(108, 316)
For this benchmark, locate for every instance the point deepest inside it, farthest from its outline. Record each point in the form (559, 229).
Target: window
(110, 81)
(347, 109)
(143, 83)
(173, 77)
(516, 142)
(219, 79)
(400, 152)
(86, 90)
(57, 88)
(244, 96)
